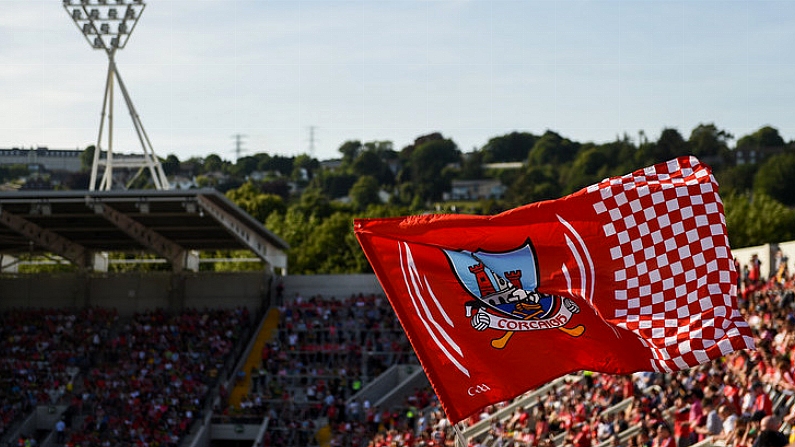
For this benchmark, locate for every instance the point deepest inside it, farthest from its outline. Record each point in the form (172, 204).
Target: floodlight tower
(107, 25)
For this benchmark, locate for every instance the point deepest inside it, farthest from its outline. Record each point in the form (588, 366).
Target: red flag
(631, 274)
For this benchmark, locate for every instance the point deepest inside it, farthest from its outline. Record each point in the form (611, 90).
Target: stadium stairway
(266, 332)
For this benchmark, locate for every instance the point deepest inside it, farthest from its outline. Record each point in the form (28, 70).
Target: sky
(304, 76)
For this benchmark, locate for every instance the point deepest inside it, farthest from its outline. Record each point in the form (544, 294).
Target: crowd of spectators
(41, 353)
(326, 350)
(153, 381)
(145, 380)
(126, 382)
(742, 400)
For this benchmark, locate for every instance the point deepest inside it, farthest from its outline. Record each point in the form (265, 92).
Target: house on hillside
(476, 190)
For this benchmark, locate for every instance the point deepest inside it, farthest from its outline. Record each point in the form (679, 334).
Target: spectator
(770, 436)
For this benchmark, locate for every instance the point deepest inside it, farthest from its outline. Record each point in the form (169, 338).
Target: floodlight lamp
(122, 28)
(113, 13)
(103, 2)
(84, 2)
(114, 42)
(77, 14)
(130, 14)
(104, 28)
(87, 29)
(67, 2)
(98, 42)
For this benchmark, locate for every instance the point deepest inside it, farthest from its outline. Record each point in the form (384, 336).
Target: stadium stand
(158, 359)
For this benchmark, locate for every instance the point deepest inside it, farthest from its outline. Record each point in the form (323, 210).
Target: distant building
(182, 182)
(476, 190)
(756, 155)
(332, 164)
(50, 159)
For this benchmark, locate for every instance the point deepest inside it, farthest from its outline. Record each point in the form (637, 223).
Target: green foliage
(757, 219)
(710, 144)
(319, 245)
(334, 184)
(552, 149)
(313, 203)
(213, 163)
(304, 168)
(365, 192)
(736, 179)
(427, 162)
(252, 200)
(277, 163)
(318, 226)
(776, 178)
(670, 145)
(535, 184)
(514, 146)
(370, 163)
(170, 165)
(245, 166)
(42, 264)
(350, 151)
(138, 262)
(472, 166)
(87, 158)
(765, 137)
(586, 169)
(231, 266)
(12, 172)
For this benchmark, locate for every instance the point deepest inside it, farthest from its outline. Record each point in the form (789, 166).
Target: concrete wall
(337, 286)
(134, 292)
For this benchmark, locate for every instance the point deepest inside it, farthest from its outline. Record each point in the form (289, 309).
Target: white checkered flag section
(666, 223)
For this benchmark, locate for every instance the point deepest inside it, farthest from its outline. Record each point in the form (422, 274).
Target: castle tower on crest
(484, 283)
(515, 277)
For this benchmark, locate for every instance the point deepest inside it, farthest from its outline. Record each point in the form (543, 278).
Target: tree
(586, 169)
(514, 146)
(170, 165)
(282, 165)
(671, 144)
(256, 203)
(245, 166)
(763, 138)
(472, 165)
(213, 163)
(304, 168)
(365, 192)
(313, 203)
(350, 151)
(87, 158)
(534, 184)
(427, 161)
(334, 184)
(553, 149)
(369, 162)
(776, 178)
(757, 219)
(710, 144)
(737, 179)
